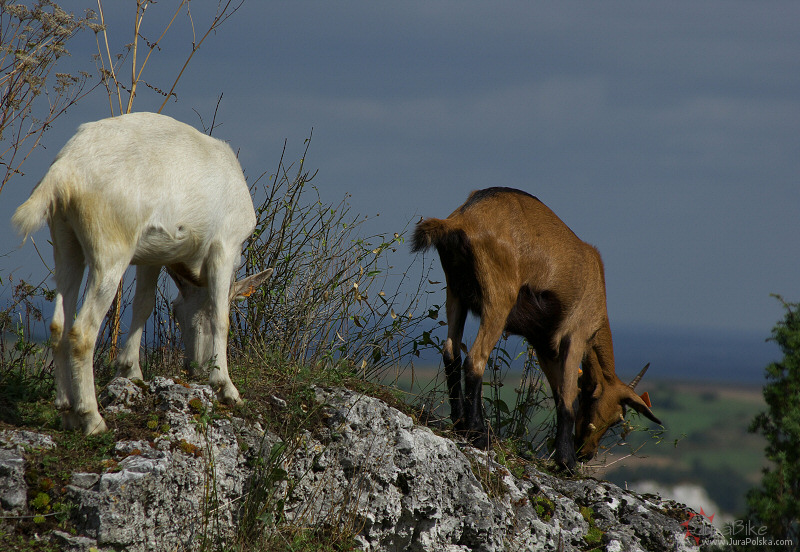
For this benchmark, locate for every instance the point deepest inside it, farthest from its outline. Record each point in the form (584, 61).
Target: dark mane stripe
(479, 195)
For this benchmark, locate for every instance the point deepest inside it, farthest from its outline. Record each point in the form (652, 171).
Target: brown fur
(511, 261)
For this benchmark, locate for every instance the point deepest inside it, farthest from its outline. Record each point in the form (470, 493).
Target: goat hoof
(90, 424)
(94, 425)
(130, 372)
(459, 426)
(479, 439)
(567, 465)
(230, 401)
(229, 395)
(566, 470)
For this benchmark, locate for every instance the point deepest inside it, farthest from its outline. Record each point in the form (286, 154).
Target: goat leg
(565, 448)
(452, 370)
(475, 426)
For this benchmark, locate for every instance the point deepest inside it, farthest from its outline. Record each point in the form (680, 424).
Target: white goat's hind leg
(100, 289)
(127, 362)
(69, 268)
(219, 287)
(61, 370)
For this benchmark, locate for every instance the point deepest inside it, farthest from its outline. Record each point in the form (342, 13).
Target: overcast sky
(665, 133)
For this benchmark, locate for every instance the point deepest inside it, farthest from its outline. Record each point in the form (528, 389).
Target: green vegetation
(519, 405)
(544, 507)
(595, 535)
(775, 505)
(706, 442)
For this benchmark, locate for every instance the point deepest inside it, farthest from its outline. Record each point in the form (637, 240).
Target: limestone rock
(13, 491)
(366, 469)
(13, 445)
(120, 394)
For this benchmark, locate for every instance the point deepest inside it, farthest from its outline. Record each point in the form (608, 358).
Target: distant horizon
(709, 354)
(681, 354)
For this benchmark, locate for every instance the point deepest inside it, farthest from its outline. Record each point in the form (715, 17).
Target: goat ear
(247, 286)
(640, 405)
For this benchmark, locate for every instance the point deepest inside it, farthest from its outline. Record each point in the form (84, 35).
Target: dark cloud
(665, 133)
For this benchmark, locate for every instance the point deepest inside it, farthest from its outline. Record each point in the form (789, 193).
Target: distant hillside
(706, 355)
(714, 450)
(673, 354)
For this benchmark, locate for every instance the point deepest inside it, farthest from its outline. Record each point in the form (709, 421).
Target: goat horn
(638, 378)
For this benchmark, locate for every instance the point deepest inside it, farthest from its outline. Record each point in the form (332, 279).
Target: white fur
(147, 190)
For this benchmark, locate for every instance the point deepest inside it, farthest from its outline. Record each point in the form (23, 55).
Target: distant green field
(714, 449)
(709, 423)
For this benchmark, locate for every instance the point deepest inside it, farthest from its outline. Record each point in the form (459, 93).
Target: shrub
(776, 504)
(332, 298)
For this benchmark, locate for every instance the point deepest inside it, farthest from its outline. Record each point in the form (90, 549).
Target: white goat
(147, 190)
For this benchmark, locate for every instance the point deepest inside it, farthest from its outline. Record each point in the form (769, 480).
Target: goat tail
(429, 233)
(31, 215)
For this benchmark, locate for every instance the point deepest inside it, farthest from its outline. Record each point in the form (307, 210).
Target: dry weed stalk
(32, 40)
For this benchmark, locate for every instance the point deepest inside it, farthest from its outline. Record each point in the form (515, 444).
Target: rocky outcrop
(366, 469)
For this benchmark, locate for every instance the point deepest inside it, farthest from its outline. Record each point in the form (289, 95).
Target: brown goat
(510, 260)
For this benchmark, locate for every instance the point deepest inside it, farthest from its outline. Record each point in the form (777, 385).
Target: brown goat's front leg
(562, 373)
(491, 328)
(565, 421)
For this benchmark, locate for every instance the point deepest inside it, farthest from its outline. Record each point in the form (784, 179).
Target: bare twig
(138, 75)
(110, 69)
(33, 39)
(222, 15)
